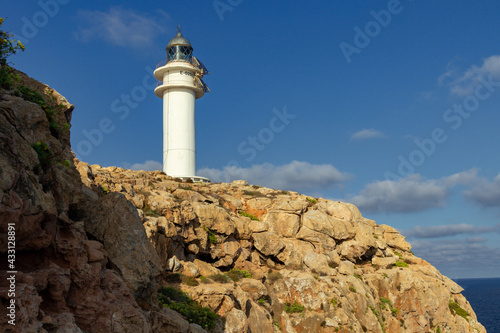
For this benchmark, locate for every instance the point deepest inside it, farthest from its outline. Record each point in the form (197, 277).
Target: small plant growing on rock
(358, 276)
(456, 309)
(105, 190)
(211, 236)
(333, 302)
(379, 318)
(351, 288)
(400, 263)
(189, 280)
(253, 193)
(44, 154)
(179, 301)
(220, 278)
(384, 301)
(312, 200)
(238, 274)
(252, 217)
(205, 280)
(294, 307)
(263, 300)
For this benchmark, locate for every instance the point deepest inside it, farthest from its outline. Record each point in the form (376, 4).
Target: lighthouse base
(195, 179)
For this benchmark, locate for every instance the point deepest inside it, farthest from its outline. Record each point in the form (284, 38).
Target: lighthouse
(180, 84)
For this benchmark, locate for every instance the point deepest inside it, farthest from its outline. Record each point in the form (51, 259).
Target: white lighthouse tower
(181, 85)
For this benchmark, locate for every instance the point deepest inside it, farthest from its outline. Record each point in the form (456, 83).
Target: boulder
(116, 224)
(285, 224)
(268, 243)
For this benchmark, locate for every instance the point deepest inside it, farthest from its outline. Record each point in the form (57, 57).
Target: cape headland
(105, 249)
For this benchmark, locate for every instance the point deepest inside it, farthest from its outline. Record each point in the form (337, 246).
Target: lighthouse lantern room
(181, 77)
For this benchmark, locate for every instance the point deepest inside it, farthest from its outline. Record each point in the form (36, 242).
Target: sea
(484, 297)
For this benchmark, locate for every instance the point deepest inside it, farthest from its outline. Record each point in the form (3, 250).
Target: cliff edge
(94, 245)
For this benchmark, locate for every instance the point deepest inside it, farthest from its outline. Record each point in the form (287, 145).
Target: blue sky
(391, 105)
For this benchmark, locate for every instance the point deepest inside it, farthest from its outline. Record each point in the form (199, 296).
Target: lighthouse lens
(179, 53)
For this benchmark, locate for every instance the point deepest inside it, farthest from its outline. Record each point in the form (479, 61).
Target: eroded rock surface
(95, 243)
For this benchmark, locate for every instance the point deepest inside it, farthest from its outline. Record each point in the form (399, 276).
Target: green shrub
(187, 188)
(8, 78)
(400, 263)
(384, 301)
(312, 200)
(399, 255)
(104, 189)
(237, 274)
(252, 217)
(205, 280)
(294, 308)
(379, 318)
(333, 302)
(189, 280)
(211, 236)
(220, 278)
(358, 276)
(263, 300)
(66, 164)
(456, 309)
(351, 288)
(44, 154)
(179, 301)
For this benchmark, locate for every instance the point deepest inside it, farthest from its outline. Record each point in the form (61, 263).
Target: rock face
(94, 244)
(83, 260)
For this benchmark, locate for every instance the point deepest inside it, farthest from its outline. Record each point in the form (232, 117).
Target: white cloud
(121, 27)
(485, 193)
(293, 176)
(467, 177)
(436, 231)
(469, 257)
(147, 166)
(367, 134)
(411, 194)
(463, 84)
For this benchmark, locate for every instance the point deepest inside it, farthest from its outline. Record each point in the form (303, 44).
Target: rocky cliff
(94, 245)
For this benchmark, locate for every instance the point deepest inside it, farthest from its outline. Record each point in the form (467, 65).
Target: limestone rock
(283, 223)
(268, 243)
(143, 224)
(116, 224)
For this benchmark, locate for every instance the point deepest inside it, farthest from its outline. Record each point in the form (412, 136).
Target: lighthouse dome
(179, 48)
(179, 39)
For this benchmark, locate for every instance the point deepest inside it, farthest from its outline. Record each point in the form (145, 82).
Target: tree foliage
(8, 45)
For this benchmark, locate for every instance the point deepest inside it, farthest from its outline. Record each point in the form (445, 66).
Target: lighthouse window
(179, 52)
